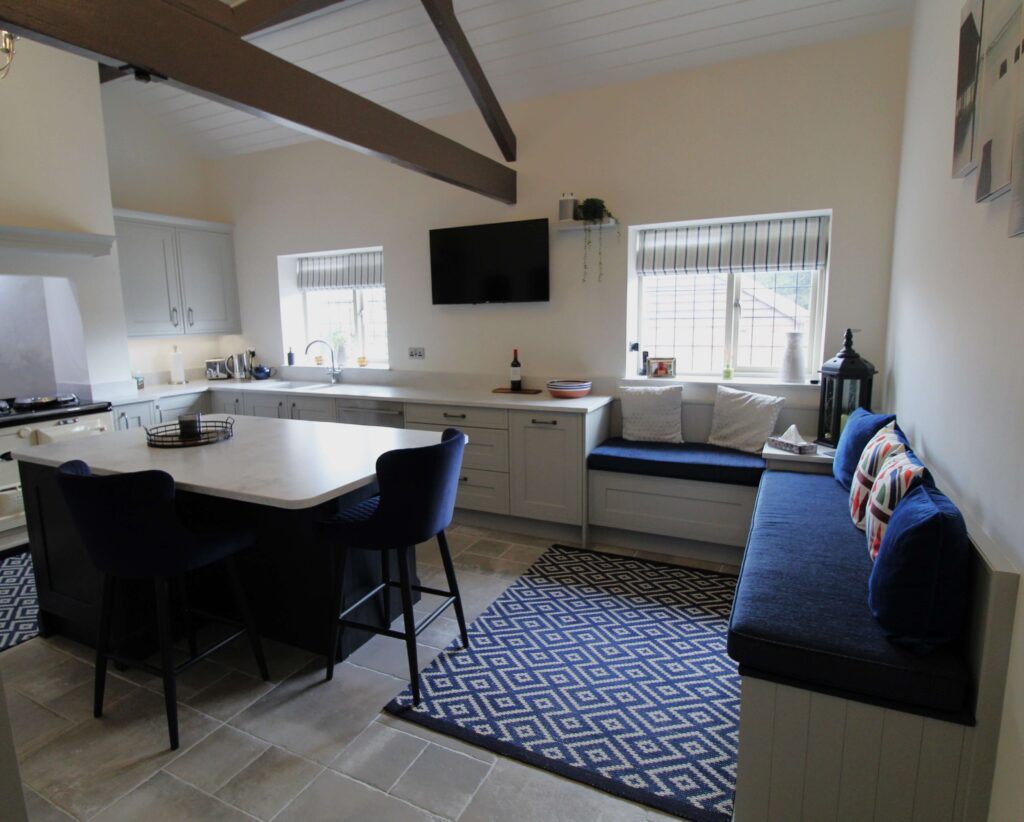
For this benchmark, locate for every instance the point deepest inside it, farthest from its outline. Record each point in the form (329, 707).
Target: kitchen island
(275, 477)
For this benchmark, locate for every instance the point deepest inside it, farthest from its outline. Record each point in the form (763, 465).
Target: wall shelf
(578, 225)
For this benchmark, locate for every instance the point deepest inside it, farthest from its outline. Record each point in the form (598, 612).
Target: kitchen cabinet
(267, 405)
(382, 413)
(177, 276)
(227, 402)
(170, 409)
(149, 279)
(133, 415)
(320, 409)
(546, 466)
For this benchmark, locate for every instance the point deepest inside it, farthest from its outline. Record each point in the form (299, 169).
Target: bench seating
(691, 490)
(801, 616)
(688, 460)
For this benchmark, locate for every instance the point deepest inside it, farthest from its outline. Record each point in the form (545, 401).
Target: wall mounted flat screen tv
(494, 263)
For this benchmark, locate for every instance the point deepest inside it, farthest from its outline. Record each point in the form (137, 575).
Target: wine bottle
(516, 372)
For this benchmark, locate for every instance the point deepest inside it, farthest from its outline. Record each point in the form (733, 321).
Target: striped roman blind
(356, 269)
(776, 244)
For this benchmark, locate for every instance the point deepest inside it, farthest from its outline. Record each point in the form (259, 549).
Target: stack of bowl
(569, 389)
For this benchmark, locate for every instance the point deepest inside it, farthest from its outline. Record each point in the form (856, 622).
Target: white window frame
(357, 323)
(635, 306)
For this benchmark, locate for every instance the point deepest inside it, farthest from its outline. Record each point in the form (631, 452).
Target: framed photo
(661, 366)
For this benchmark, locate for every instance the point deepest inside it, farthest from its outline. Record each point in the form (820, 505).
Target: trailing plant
(593, 211)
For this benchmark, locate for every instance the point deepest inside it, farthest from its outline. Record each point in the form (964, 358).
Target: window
(711, 295)
(345, 304)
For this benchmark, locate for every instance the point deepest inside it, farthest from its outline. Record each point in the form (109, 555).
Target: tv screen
(495, 263)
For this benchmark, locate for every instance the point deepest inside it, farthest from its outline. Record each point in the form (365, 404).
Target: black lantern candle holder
(846, 382)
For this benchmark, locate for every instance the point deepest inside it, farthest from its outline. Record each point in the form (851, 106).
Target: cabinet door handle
(174, 317)
(191, 318)
(543, 422)
(280, 410)
(159, 414)
(123, 418)
(293, 411)
(448, 416)
(463, 479)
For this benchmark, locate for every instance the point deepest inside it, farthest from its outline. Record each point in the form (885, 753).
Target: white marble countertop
(395, 393)
(280, 463)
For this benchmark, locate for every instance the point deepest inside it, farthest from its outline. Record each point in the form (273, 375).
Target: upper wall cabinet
(177, 276)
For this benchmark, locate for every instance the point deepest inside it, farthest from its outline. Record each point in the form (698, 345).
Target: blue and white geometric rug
(605, 669)
(19, 608)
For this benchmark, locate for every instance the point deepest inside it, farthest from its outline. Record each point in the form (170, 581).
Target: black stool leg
(410, 623)
(453, 586)
(247, 619)
(190, 628)
(385, 577)
(103, 642)
(339, 558)
(163, 621)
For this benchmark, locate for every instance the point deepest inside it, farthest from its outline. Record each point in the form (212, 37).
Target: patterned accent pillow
(881, 446)
(900, 472)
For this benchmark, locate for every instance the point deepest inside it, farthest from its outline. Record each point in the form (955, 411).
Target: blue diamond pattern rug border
(19, 607)
(605, 669)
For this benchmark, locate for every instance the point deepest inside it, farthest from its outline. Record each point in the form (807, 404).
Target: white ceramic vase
(794, 358)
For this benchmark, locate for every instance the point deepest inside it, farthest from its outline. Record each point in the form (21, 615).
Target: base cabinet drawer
(457, 416)
(319, 409)
(170, 409)
(133, 415)
(487, 449)
(274, 406)
(227, 402)
(483, 491)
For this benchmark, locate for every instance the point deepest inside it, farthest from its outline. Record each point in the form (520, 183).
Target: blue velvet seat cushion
(801, 611)
(860, 427)
(919, 586)
(352, 525)
(687, 460)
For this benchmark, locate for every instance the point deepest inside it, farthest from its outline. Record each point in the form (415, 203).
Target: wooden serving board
(520, 391)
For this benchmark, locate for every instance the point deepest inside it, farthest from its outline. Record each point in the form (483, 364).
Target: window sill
(708, 379)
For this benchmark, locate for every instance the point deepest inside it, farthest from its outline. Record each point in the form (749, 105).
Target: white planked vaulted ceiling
(389, 52)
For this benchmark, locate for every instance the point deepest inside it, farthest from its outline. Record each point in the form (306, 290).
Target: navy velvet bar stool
(131, 531)
(415, 504)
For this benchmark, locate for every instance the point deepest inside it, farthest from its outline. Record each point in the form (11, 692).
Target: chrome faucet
(334, 372)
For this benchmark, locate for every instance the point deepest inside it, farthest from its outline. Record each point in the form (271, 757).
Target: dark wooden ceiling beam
(442, 15)
(251, 16)
(161, 38)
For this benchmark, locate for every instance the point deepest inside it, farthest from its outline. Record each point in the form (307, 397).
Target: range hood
(46, 241)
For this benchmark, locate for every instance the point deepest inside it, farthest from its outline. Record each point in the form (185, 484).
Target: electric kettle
(239, 365)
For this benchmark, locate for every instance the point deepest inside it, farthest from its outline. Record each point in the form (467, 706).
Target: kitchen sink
(296, 385)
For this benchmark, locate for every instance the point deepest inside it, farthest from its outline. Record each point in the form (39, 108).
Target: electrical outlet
(417, 353)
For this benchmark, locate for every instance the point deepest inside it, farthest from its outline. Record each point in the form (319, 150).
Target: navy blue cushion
(801, 613)
(919, 585)
(860, 427)
(686, 460)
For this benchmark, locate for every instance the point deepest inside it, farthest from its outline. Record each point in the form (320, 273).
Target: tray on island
(169, 434)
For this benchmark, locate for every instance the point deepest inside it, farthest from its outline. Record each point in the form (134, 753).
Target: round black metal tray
(169, 435)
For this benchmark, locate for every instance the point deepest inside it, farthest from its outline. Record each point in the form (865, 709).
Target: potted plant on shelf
(593, 211)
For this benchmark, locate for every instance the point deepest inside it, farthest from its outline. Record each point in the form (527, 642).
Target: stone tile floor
(297, 748)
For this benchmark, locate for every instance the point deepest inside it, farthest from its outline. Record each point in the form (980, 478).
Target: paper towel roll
(177, 367)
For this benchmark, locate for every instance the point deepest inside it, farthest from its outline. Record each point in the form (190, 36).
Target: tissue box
(792, 447)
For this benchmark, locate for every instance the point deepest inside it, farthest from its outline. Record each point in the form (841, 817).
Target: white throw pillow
(652, 414)
(743, 420)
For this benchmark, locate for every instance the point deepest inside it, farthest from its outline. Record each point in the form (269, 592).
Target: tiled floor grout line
(407, 767)
(207, 793)
(490, 769)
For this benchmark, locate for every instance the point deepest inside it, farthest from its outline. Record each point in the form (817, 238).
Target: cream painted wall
(56, 176)
(955, 375)
(810, 128)
(153, 170)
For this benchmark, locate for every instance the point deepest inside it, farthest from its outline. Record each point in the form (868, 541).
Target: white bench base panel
(689, 509)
